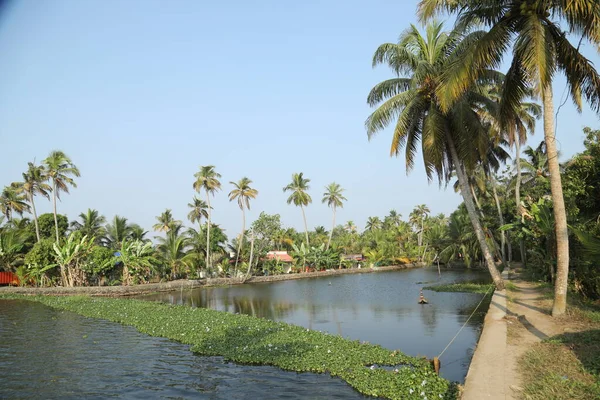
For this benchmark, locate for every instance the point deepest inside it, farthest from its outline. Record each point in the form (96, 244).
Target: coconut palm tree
(11, 201)
(334, 198)
(60, 170)
(540, 49)
(91, 225)
(393, 219)
(199, 210)
(243, 193)
(373, 224)
(173, 250)
(117, 232)
(166, 222)
(34, 182)
(208, 179)
(299, 196)
(136, 232)
(452, 140)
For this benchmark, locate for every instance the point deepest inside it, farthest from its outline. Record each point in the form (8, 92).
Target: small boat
(422, 299)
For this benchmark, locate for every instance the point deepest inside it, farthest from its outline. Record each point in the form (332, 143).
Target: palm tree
(166, 222)
(208, 179)
(117, 232)
(34, 182)
(243, 193)
(540, 49)
(417, 217)
(393, 219)
(173, 249)
(136, 232)
(199, 210)
(350, 227)
(373, 224)
(91, 225)
(12, 201)
(299, 196)
(59, 169)
(334, 198)
(452, 140)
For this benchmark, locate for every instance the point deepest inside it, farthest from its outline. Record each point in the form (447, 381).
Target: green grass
(563, 367)
(249, 340)
(566, 366)
(467, 287)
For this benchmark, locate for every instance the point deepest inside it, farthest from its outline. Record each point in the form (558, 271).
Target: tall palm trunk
(332, 228)
(239, 251)
(476, 200)
(466, 194)
(54, 206)
(501, 218)
(305, 226)
(558, 206)
(518, 199)
(208, 231)
(35, 219)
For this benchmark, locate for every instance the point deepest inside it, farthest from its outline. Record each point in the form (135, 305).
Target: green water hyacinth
(250, 340)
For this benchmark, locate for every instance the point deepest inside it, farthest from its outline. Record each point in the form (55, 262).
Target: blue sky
(140, 93)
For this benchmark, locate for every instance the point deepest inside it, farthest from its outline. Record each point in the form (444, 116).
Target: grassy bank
(566, 366)
(251, 340)
(465, 287)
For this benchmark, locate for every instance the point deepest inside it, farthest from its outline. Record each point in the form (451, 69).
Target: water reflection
(47, 354)
(379, 308)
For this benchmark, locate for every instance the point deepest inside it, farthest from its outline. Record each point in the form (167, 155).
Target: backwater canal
(52, 354)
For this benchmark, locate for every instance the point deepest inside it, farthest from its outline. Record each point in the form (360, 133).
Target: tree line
(447, 101)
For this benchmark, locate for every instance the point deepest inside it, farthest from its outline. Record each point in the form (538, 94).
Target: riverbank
(118, 291)
(370, 369)
(525, 353)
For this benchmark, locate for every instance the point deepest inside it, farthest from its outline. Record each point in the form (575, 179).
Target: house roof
(282, 256)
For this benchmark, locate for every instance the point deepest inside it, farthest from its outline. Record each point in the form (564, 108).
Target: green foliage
(12, 243)
(71, 256)
(42, 253)
(99, 261)
(249, 340)
(464, 287)
(46, 224)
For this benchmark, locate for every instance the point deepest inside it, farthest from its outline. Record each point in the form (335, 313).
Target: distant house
(282, 256)
(353, 257)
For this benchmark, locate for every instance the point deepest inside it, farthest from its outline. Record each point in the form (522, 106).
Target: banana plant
(69, 255)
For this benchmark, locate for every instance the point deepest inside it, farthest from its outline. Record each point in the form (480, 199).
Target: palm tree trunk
(466, 194)
(305, 226)
(208, 231)
(251, 256)
(476, 200)
(35, 219)
(558, 206)
(332, 228)
(509, 246)
(54, 206)
(501, 218)
(518, 199)
(239, 251)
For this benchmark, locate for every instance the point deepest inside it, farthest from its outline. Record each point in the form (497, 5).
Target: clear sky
(140, 93)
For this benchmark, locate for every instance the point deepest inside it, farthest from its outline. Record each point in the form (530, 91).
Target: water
(380, 308)
(48, 354)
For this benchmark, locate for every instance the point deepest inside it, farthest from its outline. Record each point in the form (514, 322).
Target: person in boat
(422, 299)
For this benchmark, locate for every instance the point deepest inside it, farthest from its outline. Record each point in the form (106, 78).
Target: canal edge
(486, 377)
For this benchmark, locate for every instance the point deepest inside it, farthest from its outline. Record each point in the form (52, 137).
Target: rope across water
(465, 324)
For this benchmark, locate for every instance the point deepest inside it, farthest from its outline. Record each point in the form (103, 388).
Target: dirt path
(517, 319)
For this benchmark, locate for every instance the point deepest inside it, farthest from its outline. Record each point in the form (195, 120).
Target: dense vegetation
(445, 100)
(251, 340)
